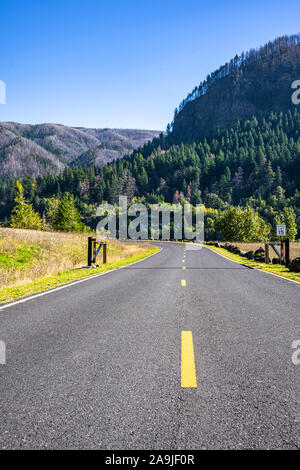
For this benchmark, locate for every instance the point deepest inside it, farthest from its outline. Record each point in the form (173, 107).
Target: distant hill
(20, 156)
(253, 83)
(42, 148)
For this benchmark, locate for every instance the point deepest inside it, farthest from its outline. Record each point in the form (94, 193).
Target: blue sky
(113, 63)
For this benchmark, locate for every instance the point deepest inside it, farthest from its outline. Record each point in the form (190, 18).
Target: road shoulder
(274, 269)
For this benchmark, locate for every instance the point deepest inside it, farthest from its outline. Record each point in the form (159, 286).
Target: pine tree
(269, 175)
(67, 217)
(23, 214)
(278, 177)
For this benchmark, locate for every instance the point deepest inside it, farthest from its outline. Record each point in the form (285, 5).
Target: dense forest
(253, 163)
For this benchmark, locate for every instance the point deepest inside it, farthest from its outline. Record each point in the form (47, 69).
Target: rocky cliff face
(255, 89)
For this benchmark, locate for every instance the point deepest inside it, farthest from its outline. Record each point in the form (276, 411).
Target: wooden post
(90, 244)
(94, 250)
(104, 253)
(267, 255)
(287, 252)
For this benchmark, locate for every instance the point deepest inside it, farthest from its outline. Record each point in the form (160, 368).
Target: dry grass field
(294, 248)
(28, 255)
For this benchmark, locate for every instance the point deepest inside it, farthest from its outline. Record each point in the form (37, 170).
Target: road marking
(183, 261)
(183, 282)
(183, 267)
(188, 369)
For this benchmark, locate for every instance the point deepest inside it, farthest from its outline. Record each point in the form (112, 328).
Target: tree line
(253, 164)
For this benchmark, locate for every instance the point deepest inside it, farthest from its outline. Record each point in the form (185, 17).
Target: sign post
(287, 252)
(281, 230)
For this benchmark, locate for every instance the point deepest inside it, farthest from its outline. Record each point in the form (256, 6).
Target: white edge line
(88, 278)
(252, 267)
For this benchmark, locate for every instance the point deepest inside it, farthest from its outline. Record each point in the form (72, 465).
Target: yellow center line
(183, 282)
(183, 267)
(183, 261)
(188, 369)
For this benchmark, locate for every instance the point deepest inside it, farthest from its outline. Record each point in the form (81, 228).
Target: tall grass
(27, 255)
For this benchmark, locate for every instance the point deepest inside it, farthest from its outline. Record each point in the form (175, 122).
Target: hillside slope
(19, 156)
(252, 84)
(42, 148)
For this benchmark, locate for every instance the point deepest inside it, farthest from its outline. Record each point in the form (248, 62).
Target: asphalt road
(98, 364)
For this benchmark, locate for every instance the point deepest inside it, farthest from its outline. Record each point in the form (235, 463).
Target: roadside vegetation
(278, 269)
(294, 248)
(32, 260)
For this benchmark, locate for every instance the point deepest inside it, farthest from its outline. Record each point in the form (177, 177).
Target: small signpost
(284, 254)
(281, 230)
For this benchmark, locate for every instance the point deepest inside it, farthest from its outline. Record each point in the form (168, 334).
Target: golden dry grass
(27, 255)
(294, 248)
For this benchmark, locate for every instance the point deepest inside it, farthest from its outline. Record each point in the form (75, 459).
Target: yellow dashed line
(188, 369)
(183, 267)
(183, 282)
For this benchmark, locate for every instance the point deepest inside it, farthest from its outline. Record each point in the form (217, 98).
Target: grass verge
(278, 269)
(16, 292)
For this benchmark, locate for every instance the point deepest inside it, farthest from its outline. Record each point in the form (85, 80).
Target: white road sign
(281, 230)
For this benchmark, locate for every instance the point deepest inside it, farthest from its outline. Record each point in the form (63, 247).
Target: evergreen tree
(67, 217)
(23, 214)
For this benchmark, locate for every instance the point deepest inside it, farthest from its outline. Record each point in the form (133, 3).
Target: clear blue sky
(120, 63)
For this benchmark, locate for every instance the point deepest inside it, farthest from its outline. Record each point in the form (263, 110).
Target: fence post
(94, 250)
(287, 252)
(90, 244)
(267, 256)
(104, 253)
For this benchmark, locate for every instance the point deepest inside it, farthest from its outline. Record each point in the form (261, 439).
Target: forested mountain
(38, 149)
(253, 161)
(253, 83)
